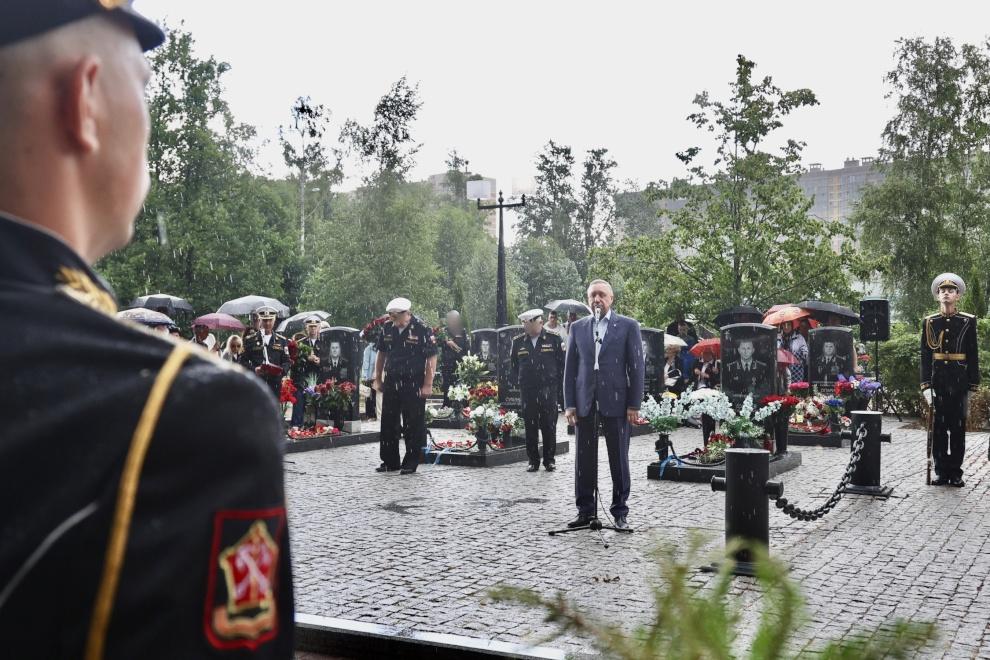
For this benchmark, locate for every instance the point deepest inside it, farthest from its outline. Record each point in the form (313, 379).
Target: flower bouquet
(471, 370)
(268, 369)
(483, 393)
(440, 334)
(371, 331)
(714, 452)
(438, 413)
(508, 422)
(319, 430)
(287, 394)
(667, 414)
(299, 353)
(459, 392)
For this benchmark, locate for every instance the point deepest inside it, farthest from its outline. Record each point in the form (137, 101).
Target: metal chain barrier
(814, 514)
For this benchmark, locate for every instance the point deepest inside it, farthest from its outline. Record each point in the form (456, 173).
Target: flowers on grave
(713, 403)
(508, 421)
(787, 401)
(332, 395)
(453, 444)
(746, 425)
(287, 394)
(714, 452)
(667, 414)
(800, 388)
(861, 387)
(316, 431)
(483, 393)
(482, 417)
(438, 413)
(471, 370)
(459, 392)
(835, 406)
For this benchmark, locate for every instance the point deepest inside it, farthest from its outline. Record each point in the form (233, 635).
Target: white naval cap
(266, 312)
(398, 305)
(530, 314)
(948, 279)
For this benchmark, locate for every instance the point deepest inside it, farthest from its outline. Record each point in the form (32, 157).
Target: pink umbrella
(219, 321)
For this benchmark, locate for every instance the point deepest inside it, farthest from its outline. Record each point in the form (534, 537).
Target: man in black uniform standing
(950, 370)
(140, 475)
(537, 358)
(407, 354)
(266, 351)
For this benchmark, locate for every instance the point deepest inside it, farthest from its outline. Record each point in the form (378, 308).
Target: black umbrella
(739, 314)
(297, 322)
(824, 311)
(159, 301)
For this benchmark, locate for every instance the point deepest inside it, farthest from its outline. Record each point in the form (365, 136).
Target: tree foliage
(547, 271)
(930, 214)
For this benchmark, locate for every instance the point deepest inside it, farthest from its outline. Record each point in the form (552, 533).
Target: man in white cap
(950, 370)
(537, 359)
(407, 353)
(266, 351)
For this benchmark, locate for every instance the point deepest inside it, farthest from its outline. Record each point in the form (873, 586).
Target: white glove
(928, 394)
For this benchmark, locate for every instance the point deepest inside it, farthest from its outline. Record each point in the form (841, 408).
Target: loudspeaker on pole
(874, 314)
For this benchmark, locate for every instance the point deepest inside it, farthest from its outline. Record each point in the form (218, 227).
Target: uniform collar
(32, 255)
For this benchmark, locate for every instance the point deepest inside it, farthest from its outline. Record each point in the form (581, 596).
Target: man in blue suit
(603, 381)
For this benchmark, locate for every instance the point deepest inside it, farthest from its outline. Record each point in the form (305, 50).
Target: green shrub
(695, 623)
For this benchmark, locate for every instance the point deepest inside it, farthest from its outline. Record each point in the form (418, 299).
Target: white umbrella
(247, 304)
(567, 306)
(295, 323)
(671, 340)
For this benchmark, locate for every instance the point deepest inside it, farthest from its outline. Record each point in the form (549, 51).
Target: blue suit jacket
(618, 383)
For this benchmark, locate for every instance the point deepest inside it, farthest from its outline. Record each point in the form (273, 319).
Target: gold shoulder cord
(934, 344)
(126, 494)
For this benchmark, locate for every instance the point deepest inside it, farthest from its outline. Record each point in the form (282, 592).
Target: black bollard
(747, 510)
(866, 475)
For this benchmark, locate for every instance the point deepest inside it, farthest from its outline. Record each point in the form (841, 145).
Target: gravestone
(749, 361)
(340, 354)
(831, 352)
(653, 356)
(508, 392)
(484, 345)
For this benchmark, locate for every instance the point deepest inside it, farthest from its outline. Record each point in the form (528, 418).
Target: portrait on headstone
(340, 357)
(831, 352)
(652, 349)
(484, 344)
(337, 366)
(749, 361)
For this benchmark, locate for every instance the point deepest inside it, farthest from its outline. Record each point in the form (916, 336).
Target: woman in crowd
(706, 376)
(794, 341)
(234, 349)
(674, 379)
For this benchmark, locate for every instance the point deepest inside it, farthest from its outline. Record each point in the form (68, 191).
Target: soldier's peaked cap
(266, 312)
(398, 305)
(948, 279)
(531, 314)
(23, 19)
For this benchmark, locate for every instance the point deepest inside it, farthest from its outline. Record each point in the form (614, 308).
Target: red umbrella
(219, 321)
(784, 315)
(777, 308)
(714, 345)
(784, 356)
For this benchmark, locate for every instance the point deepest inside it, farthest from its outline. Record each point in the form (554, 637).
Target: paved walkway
(420, 551)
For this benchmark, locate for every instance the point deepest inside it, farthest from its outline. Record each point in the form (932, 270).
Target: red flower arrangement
(483, 392)
(288, 392)
(863, 358)
(800, 388)
(786, 401)
(317, 431)
(371, 330)
(293, 351)
(271, 370)
(844, 388)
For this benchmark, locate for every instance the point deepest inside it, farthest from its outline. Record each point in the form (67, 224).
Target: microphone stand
(594, 523)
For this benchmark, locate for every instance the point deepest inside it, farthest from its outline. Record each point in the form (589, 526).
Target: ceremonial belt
(955, 357)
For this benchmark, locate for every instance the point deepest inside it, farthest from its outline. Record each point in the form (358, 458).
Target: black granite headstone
(341, 350)
(749, 361)
(654, 356)
(831, 352)
(508, 393)
(484, 345)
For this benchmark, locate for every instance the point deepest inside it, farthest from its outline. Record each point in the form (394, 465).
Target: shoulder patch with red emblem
(242, 579)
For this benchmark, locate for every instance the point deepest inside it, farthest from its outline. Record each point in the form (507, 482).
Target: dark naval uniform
(276, 353)
(403, 408)
(950, 366)
(539, 371)
(144, 511)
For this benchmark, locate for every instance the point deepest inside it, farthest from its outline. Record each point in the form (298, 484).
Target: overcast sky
(500, 78)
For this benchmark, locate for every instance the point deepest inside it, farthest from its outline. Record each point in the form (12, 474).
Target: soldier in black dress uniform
(266, 351)
(537, 359)
(407, 354)
(950, 370)
(144, 510)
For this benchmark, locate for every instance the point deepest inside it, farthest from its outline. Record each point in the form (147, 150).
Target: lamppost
(501, 301)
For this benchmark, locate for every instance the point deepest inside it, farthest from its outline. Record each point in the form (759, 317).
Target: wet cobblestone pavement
(420, 551)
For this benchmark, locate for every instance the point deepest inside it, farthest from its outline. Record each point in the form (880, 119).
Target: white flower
(458, 392)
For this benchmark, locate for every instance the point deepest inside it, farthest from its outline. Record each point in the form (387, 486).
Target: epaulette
(519, 336)
(967, 315)
(932, 316)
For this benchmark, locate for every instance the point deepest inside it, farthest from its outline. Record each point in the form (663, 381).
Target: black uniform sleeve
(381, 345)
(514, 363)
(429, 341)
(973, 357)
(559, 356)
(211, 488)
(926, 355)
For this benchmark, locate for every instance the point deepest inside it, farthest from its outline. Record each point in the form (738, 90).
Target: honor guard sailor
(537, 366)
(950, 370)
(266, 351)
(407, 360)
(144, 510)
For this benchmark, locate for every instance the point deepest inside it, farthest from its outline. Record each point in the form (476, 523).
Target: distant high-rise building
(836, 192)
(476, 186)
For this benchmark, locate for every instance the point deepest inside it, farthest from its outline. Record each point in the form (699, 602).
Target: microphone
(598, 341)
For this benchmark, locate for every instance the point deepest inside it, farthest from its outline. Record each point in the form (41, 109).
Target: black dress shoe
(550, 467)
(407, 471)
(533, 467)
(939, 481)
(957, 482)
(385, 468)
(580, 521)
(620, 522)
